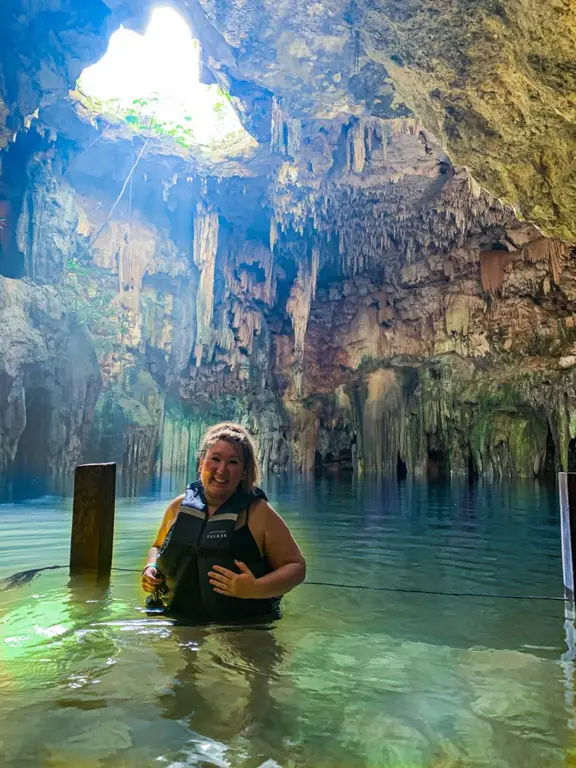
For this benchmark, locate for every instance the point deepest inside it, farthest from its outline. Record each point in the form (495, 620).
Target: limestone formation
(346, 284)
(50, 381)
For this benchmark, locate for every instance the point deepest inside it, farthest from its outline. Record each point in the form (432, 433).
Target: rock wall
(346, 291)
(420, 364)
(49, 384)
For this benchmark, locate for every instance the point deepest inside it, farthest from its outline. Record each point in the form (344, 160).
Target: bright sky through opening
(164, 62)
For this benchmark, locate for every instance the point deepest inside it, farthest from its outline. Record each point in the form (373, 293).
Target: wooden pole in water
(567, 483)
(93, 518)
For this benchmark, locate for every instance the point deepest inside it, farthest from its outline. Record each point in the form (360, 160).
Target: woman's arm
(150, 580)
(284, 555)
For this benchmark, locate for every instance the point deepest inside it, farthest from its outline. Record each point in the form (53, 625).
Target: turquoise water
(347, 679)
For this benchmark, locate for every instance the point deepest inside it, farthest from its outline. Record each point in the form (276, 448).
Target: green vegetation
(91, 295)
(141, 115)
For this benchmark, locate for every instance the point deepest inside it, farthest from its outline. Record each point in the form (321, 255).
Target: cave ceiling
(492, 80)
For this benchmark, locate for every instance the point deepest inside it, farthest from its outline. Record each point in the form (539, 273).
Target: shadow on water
(21, 578)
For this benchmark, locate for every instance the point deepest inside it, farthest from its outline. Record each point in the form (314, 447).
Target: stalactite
(459, 311)
(285, 132)
(408, 125)
(264, 258)
(139, 447)
(248, 322)
(492, 273)
(135, 254)
(276, 128)
(553, 251)
(273, 233)
(205, 250)
(369, 136)
(356, 154)
(400, 220)
(382, 126)
(298, 306)
(294, 128)
(167, 186)
(314, 269)
(556, 264)
(270, 287)
(180, 440)
(382, 422)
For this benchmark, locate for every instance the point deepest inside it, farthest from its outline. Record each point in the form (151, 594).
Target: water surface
(349, 678)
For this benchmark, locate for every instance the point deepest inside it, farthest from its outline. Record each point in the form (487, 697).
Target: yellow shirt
(168, 521)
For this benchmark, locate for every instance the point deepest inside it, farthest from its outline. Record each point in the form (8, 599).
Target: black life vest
(195, 544)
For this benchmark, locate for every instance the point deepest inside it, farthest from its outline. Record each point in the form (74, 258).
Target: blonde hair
(240, 438)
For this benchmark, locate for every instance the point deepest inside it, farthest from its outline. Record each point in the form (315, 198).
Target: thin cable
(25, 577)
(111, 211)
(430, 592)
(130, 198)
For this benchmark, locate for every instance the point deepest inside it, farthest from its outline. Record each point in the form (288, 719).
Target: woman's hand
(150, 579)
(232, 584)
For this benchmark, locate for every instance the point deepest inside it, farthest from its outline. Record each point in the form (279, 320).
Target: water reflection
(347, 679)
(223, 691)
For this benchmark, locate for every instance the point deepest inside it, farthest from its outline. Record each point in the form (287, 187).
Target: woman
(222, 552)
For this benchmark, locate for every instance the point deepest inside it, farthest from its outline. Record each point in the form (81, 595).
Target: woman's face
(221, 471)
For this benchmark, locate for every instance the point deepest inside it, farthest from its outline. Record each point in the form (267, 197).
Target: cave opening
(437, 460)
(472, 468)
(401, 469)
(548, 466)
(334, 464)
(151, 82)
(438, 464)
(30, 463)
(571, 456)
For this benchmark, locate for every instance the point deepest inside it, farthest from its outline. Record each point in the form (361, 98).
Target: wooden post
(93, 518)
(567, 482)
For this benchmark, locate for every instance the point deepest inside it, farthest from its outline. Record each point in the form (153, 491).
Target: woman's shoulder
(174, 507)
(262, 512)
(168, 519)
(259, 506)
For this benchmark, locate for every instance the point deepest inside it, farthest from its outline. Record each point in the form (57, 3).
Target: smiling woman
(222, 552)
(152, 81)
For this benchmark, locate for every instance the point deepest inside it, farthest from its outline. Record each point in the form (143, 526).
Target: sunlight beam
(155, 79)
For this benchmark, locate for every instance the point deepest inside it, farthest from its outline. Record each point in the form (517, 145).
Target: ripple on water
(348, 679)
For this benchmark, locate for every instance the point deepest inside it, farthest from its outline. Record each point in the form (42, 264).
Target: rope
(111, 211)
(25, 577)
(430, 592)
